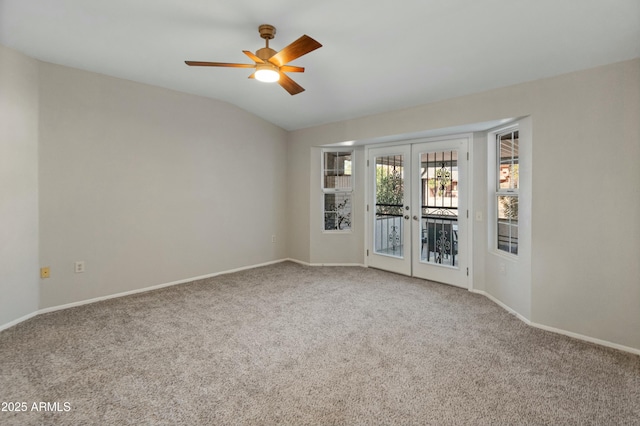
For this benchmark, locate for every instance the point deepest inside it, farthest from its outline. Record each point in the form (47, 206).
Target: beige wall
(19, 279)
(586, 274)
(150, 186)
(585, 277)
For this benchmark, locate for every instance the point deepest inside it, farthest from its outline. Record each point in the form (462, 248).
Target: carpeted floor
(296, 345)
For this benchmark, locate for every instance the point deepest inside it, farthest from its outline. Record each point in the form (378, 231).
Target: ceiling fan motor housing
(267, 31)
(265, 53)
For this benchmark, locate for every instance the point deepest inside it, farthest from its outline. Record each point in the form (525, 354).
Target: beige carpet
(296, 345)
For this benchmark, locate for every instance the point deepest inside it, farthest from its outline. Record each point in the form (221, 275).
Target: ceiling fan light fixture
(267, 73)
(272, 66)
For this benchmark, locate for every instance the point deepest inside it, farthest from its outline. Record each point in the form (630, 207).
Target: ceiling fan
(271, 65)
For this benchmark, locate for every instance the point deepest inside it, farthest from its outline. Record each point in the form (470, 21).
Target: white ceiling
(376, 56)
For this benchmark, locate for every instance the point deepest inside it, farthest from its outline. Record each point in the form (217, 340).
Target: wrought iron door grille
(439, 209)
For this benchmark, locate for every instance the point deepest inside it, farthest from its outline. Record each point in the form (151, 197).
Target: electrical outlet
(45, 272)
(79, 267)
(479, 216)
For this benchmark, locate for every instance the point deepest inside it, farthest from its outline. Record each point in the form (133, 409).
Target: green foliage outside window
(389, 190)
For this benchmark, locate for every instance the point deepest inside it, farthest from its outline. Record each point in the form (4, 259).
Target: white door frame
(368, 199)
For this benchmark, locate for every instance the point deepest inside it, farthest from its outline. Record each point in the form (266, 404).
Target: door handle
(406, 216)
(415, 217)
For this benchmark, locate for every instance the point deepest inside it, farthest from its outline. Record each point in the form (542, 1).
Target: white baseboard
(325, 264)
(128, 293)
(503, 306)
(559, 330)
(230, 271)
(301, 262)
(587, 338)
(18, 320)
(338, 264)
(159, 286)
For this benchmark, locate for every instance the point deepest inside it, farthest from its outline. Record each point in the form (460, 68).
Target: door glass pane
(439, 207)
(389, 203)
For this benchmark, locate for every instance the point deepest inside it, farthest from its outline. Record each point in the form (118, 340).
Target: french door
(417, 210)
(389, 212)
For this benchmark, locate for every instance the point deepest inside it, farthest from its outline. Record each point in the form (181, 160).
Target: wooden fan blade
(253, 57)
(252, 75)
(218, 64)
(301, 46)
(289, 68)
(289, 85)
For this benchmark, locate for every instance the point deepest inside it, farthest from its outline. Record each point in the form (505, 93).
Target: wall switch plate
(273, 238)
(45, 272)
(79, 267)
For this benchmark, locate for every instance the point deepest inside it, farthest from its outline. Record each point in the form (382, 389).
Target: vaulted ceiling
(376, 56)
